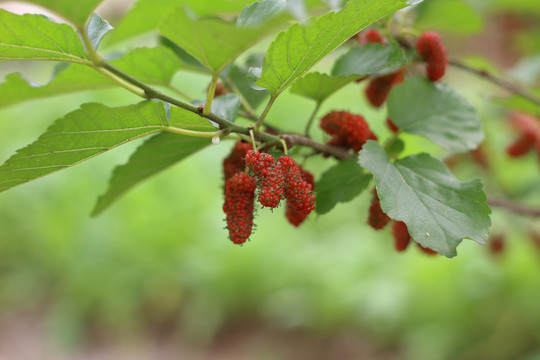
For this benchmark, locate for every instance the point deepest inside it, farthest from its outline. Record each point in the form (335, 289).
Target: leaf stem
(211, 93)
(265, 112)
(201, 134)
(312, 117)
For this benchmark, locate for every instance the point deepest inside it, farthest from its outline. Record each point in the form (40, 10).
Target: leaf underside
(439, 210)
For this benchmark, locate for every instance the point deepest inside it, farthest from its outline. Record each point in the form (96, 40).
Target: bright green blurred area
(161, 254)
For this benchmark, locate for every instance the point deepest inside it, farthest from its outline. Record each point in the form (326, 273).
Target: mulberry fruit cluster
(348, 130)
(430, 48)
(273, 180)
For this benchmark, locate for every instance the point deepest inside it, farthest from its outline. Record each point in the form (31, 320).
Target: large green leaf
(419, 190)
(369, 59)
(155, 155)
(146, 14)
(319, 87)
(301, 46)
(153, 66)
(341, 183)
(436, 111)
(35, 37)
(77, 11)
(213, 42)
(80, 135)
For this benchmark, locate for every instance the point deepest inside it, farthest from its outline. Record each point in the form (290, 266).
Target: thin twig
(514, 207)
(337, 152)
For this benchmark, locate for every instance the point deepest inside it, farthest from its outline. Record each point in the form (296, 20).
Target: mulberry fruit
(430, 48)
(349, 131)
(269, 175)
(401, 235)
(298, 192)
(379, 87)
(371, 36)
(235, 161)
(294, 217)
(377, 219)
(239, 206)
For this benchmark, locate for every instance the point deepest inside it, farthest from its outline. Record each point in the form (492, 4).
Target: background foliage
(159, 258)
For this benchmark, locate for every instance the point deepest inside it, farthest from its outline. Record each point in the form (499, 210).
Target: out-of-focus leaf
(35, 37)
(369, 59)
(453, 16)
(419, 190)
(319, 87)
(259, 12)
(76, 11)
(96, 28)
(341, 183)
(437, 112)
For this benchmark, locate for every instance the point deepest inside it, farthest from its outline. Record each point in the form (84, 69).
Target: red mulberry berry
(371, 36)
(496, 244)
(292, 215)
(220, 90)
(349, 131)
(521, 146)
(235, 161)
(430, 48)
(377, 219)
(298, 192)
(393, 127)
(378, 88)
(269, 175)
(427, 250)
(258, 161)
(401, 235)
(239, 206)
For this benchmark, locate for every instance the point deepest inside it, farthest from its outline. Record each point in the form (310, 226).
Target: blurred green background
(156, 270)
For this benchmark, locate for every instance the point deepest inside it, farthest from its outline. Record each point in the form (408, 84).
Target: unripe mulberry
(235, 161)
(377, 219)
(294, 217)
(349, 131)
(371, 36)
(298, 192)
(239, 206)
(430, 48)
(401, 235)
(379, 87)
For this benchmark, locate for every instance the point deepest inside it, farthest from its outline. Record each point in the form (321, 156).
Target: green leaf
(226, 106)
(96, 28)
(259, 12)
(76, 11)
(369, 59)
(301, 46)
(155, 155)
(453, 16)
(80, 135)
(153, 66)
(239, 79)
(437, 112)
(35, 37)
(319, 87)
(213, 42)
(419, 190)
(341, 183)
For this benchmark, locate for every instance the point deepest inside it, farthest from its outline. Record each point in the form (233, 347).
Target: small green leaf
(259, 12)
(439, 210)
(213, 42)
(96, 28)
(35, 37)
(155, 155)
(80, 135)
(437, 112)
(301, 46)
(240, 79)
(153, 66)
(76, 11)
(369, 59)
(319, 87)
(341, 183)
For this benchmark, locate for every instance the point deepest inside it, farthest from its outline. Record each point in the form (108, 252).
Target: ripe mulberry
(377, 219)
(426, 250)
(371, 36)
(379, 87)
(401, 235)
(430, 48)
(294, 217)
(349, 131)
(269, 175)
(393, 127)
(235, 161)
(298, 192)
(239, 206)
(521, 146)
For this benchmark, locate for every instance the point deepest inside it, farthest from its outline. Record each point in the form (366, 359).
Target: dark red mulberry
(298, 192)
(292, 215)
(269, 175)
(349, 131)
(377, 219)
(239, 206)
(371, 36)
(379, 87)
(430, 48)
(401, 235)
(235, 161)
